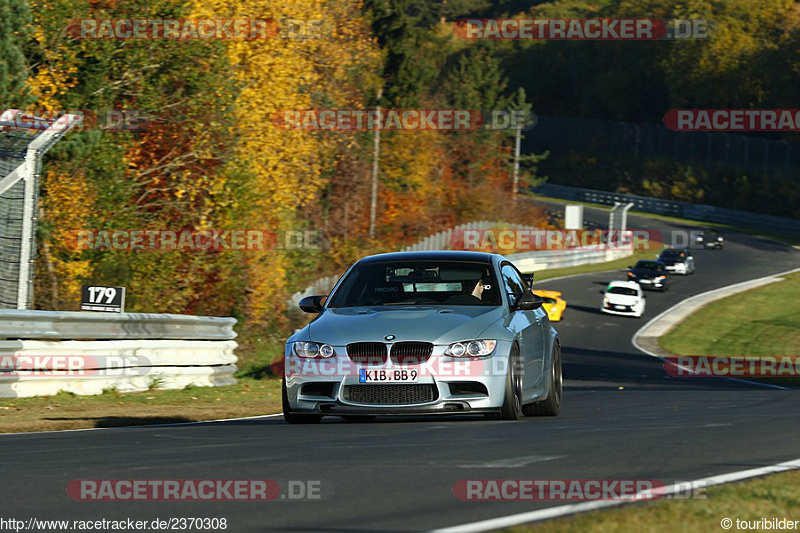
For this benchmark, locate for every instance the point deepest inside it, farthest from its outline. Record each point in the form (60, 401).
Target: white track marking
(565, 510)
(513, 462)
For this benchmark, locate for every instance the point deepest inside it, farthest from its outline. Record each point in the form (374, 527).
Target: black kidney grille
(402, 394)
(411, 353)
(367, 353)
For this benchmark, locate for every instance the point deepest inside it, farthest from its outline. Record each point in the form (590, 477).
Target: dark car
(649, 274)
(710, 239)
(677, 261)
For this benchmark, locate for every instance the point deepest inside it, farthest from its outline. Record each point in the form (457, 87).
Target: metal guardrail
(700, 212)
(168, 351)
(17, 324)
(552, 259)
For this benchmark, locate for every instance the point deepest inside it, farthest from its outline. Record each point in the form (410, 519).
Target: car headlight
(605, 300)
(662, 277)
(476, 348)
(630, 274)
(313, 349)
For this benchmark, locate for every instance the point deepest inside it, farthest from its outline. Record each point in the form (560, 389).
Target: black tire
(512, 404)
(551, 405)
(295, 418)
(358, 418)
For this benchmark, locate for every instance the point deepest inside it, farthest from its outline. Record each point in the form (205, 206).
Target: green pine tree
(15, 20)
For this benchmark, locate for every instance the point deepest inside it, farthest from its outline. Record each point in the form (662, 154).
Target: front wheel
(512, 403)
(295, 418)
(551, 405)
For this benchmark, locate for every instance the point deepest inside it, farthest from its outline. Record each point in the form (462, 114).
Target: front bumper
(484, 379)
(618, 312)
(651, 283)
(677, 269)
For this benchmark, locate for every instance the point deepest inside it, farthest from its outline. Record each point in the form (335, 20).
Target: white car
(677, 261)
(623, 298)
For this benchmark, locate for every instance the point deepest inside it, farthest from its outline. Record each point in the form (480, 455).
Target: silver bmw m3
(424, 333)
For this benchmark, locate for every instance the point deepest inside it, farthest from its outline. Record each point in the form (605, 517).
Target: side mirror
(312, 304)
(602, 291)
(528, 302)
(528, 279)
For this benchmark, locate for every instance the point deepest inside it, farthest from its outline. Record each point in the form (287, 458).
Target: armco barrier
(548, 260)
(165, 351)
(703, 213)
(77, 325)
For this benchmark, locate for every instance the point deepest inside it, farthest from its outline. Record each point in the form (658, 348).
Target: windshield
(649, 265)
(627, 291)
(417, 283)
(672, 254)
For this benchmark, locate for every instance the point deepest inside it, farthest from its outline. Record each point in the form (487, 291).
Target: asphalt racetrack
(623, 418)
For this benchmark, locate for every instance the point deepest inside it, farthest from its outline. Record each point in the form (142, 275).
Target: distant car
(710, 239)
(649, 274)
(553, 304)
(677, 261)
(623, 298)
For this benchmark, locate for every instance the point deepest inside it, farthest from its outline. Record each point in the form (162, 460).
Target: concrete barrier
(46, 352)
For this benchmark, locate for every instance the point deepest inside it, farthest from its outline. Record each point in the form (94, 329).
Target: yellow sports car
(553, 304)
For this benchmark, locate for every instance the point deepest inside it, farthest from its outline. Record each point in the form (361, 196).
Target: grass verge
(775, 496)
(248, 397)
(759, 322)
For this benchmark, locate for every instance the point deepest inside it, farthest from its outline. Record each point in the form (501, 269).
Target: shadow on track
(120, 421)
(605, 370)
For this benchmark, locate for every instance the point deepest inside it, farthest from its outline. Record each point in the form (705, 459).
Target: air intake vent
(406, 394)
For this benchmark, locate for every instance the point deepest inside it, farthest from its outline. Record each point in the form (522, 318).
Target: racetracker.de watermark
(575, 490)
(26, 365)
(198, 489)
(733, 366)
(508, 240)
(113, 120)
(248, 29)
(511, 240)
(403, 119)
(409, 370)
(733, 119)
(212, 240)
(589, 29)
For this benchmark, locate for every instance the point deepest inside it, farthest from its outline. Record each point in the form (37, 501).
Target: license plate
(619, 307)
(646, 281)
(393, 375)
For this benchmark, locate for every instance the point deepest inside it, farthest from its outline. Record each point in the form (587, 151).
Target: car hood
(439, 325)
